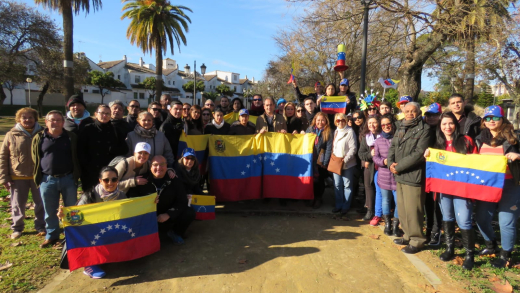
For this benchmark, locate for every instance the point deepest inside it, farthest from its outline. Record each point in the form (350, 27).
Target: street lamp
(365, 3)
(372, 84)
(29, 81)
(203, 71)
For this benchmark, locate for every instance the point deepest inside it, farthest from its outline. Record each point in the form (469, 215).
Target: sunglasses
(372, 109)
(155, 109)
(186, 109)
(256, 100)
(341, 120)
(134, 106)
(489, 118)
(357, 118)
(190, 158)
(205, 114)
(299, 111)
(113, 180)
(209, 105)
(386, 125)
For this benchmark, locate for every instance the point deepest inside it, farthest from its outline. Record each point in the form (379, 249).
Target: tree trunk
(2, 94)
(39, 103)
(158, 68)
(470, 70)
(68, 51)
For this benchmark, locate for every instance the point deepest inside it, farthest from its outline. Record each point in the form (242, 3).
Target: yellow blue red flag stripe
(204, 206)
(333, 104)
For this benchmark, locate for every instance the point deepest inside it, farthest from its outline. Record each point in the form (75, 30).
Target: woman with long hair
(498, 138)
(194, 120)
(237, 105)
(187, 169)
(455, 208)
(205, 116)
(371, 131)
(294, 124)
(321, 154)
(300, 113)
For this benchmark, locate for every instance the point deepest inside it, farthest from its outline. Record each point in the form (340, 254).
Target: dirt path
(267, 254)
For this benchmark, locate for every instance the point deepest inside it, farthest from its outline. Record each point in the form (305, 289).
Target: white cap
(142, 146)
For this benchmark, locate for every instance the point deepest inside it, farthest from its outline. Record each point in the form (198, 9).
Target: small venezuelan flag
(112, 231)
(204, 206)
(333, 104)
(479, 177)
(232, 117)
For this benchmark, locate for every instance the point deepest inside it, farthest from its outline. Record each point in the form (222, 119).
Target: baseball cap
(494, 110)
(142, 146)
(434, 108)
(243, 112)
(344, 82)
(281, 100)
(188, 152)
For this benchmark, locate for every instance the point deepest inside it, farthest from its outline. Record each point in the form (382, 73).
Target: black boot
(501, 262)
(388, 225)
(435, 239)
(449, 234)
(468, 240)
(369, 215)
(491, 248)
(395, 228)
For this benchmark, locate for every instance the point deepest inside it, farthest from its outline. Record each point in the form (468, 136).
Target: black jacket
(365, 155)
(71, 126)
(172, 128)
(98, 144)
(132, 122)
(294, 123)
(211, 129)
(239, 129)
(322, 144)
(121, 126)
(472, 123)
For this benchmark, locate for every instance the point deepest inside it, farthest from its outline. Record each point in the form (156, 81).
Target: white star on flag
(130, 230)
(277, 170)
(472, 174)
(477, 177)
(482, 181)
(447, 175)
(93, 242)
(123, 227)
(457, 172)
(467, 172)
(117, 226)
(97, 236)
(102, 231)
(254, 160)
(243, 173)
(109, 227)
(247, 166)
(451, 173)
(133, 234)
(272, 163)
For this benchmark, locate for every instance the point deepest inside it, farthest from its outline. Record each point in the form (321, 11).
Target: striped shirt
(495, 151)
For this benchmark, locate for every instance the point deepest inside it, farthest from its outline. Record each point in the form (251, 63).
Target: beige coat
(279, 123)
(127, 180)
(15, 157)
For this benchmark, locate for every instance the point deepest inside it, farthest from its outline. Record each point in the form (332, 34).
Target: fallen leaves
(516, 266)
(498, 287)
(374, 236)
(242, 261)
(458, 260)
(15, 244)
(5, 266)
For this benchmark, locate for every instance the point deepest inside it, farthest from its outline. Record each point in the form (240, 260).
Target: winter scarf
(487, 138)
(36, 128)
(405, 124)
(86, 114)
(191, 177)
(218, 126)
(371, 138)
(385, 135)
(105, 195)
(145, 133)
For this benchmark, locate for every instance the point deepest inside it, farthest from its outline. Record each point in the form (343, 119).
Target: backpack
(116, 161)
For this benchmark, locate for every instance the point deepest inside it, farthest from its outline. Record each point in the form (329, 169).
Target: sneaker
(16, 235)
(375, 221)
(175, 238)
(94, 272)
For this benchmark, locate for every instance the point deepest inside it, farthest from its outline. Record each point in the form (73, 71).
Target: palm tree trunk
(40, 98)
(68, 51)
(470, 69)
(158, 69)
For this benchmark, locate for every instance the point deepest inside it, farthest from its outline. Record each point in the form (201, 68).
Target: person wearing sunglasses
(98, 144)
(117, 110)
(134, 107)
(294, 124)
(243, 126)
(499, 138)
(469, 121)
(344, 90)
(106, 190)
(187, 169)
(206, 117)
(155, 109)
(209, 104)
(300, 113)
(257, 108)
(344, 146)
(186, 110)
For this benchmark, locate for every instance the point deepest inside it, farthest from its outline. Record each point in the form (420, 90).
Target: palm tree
(153, 25)
(66, 7)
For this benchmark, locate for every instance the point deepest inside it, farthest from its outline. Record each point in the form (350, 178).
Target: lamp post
(365, 3)
(29, 81)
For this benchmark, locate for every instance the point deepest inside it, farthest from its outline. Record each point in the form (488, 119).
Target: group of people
(116, 157)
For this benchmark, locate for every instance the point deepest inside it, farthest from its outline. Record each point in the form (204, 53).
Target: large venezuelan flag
(287, 165)
(235, 168)
(479, 177)
(204, 206)
(197, 142)
(232, 117)
(333, 104)
(112, 231)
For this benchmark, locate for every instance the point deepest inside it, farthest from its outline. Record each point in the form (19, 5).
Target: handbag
(335, 163)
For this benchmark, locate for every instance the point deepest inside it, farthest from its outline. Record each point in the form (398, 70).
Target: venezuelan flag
(479, 177)
(204, 206)
(287, 165)
(232, 117)
(112, 231)
(235, 167)
(333, 104)
(197, 142)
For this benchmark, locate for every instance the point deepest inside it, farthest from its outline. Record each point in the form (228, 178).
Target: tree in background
(188, 87)
(66, 9)
(224, 90)
(104, 81)
(154, 25)
(150, 84)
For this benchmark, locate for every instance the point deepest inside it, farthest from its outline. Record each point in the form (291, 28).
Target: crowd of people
(381, 155)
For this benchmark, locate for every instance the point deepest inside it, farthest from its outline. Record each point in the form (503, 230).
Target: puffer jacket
(15, 156)
(408, 153)
(385, 178)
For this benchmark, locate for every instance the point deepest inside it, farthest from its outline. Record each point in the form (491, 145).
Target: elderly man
(133, 110)
(56, 170)
(257, 108)
(406, 161)
(270, 121)
(209, 104)
(469, 122)
(243, 126)
(116, 118)
(174, 125)
(77, 117)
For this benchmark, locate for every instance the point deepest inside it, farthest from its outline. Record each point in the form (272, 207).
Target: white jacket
(344, 146)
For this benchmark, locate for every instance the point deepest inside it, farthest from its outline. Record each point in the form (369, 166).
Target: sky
(227, 35)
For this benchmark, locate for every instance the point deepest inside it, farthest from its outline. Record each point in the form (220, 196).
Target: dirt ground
(268, 253)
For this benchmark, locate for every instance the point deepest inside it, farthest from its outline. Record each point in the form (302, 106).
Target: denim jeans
(457, 208)
(387, 201)
(508, 212)
(50, 189)
(378, 208)
(343, 188)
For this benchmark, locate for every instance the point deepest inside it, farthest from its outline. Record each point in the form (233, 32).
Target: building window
(95, 91)
(150, 96)
(141, 96)
(85, 90)
(137, 79)
(173, 82)
(235, 77)
(135, 96)
(235, 89)
(169, 82)
(119, 76)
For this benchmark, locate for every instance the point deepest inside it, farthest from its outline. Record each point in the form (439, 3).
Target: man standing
(78, 116)
(209, 104)
(116, 118)
(310, 109)
(257, 108)
(406, 161)
(155, 109)
(318, 92)
(56, 170)
(133, 110)
(173, 126)
(224, 105)
(165, 103)
(243, 126)
(469, 122)
(270, 121)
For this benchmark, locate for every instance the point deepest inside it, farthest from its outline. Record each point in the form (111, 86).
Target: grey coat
(159, 143)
